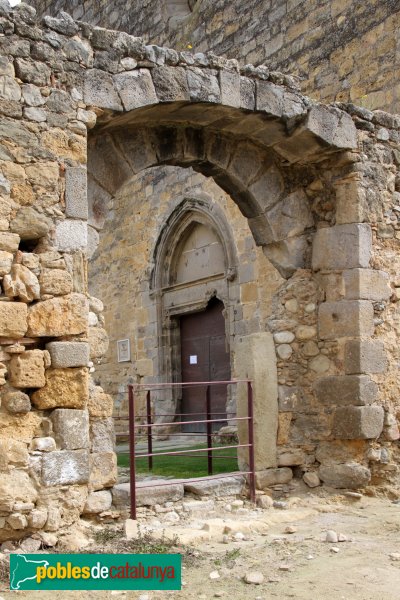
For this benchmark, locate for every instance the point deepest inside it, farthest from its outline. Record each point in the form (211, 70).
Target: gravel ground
(287, 551)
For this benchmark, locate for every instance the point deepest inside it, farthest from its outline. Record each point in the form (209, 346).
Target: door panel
(204, 358)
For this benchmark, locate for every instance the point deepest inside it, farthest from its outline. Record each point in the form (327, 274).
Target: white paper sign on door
(193, 359)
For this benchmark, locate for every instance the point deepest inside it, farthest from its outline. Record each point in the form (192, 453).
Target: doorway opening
(204, 357)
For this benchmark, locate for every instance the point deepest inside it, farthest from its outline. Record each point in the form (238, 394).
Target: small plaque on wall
(124, 350)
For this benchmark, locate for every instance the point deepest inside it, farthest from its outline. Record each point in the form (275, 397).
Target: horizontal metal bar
(188, 422)
(199, 455)
(151, 386)
(197, 450)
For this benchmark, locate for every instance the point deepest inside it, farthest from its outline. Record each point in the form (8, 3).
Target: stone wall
(318, 186)
(346, 50)
(120, 267)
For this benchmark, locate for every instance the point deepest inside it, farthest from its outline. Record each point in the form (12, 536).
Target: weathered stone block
(333, 127)
(21, 283)
(290, 398)
(98, 342)
(13, 319)
(76, 204)
(9, 242)
(71, 428)
(6, 259)
(21, 427)
(71, 235)
(43, 444)
(365, 356)
(290, 217)
(135, 88)
(68, 354)
(311, 479)
(247, 93)
(26, 370)
(367, 284)
(100, 404)
(255, 359)
(284, 423)
(269, 98)
(37, 518)
(291, 458)
(55, 282)
(344, 390)
(65, 467)
(170, 83)
(288, 255)
(16, 486)
(30, 224)
(103, 470)
(229, 82)
(64, 388)
(12, 453)
(67, 315)
(99, 90)
(203, 85)
(269, 477)
(268, 188)
(350, 201)
(98, 502)
(345, 319)
(358, 422)
(32, 72)
(342, 247)
(147, 496)
(102, 435)
(350, 475)
(340, 451)
(16, 402)
(229, 486)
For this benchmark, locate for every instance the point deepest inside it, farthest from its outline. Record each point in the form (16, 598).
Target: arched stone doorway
(195, 263)
(276, 154)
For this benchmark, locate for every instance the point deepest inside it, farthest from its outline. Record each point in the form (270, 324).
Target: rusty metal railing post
(149, 431)
(250, 414)
(132, 466)
(209, 432)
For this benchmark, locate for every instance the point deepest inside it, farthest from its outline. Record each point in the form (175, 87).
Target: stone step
(227, 486)
(149, 493)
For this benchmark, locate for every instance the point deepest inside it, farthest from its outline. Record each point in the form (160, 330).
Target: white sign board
(124, 350)
(193, 359)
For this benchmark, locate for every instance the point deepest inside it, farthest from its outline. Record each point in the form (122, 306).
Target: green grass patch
(185, 465)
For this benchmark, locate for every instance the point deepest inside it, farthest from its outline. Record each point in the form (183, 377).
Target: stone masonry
(319, 199)
(341, 50)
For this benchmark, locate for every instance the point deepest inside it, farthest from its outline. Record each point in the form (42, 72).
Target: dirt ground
(298, 564)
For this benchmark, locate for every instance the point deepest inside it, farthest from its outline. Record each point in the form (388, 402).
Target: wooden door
(204, 357)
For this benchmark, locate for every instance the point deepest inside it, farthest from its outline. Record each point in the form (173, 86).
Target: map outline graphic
(16, 585)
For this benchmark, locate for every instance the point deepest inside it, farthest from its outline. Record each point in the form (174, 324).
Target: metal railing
(150, 425)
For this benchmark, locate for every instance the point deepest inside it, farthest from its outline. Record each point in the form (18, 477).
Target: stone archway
(261, 143)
